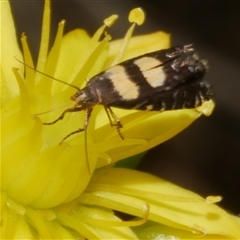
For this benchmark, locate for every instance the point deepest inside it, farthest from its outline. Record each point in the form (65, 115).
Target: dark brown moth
(167, 79)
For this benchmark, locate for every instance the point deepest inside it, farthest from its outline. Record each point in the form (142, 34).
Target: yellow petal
(126, 190)
(152, 128)
(9, 50)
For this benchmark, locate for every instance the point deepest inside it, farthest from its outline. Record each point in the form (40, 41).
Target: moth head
(80, 97)
(84, 97)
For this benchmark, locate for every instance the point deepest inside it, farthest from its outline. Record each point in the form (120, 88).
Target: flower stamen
(136, 16)
(94, 42)
(199, 231)
(19, 209)
(213, 199)
(132, 223)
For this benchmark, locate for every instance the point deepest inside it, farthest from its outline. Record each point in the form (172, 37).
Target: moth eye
(76, 95)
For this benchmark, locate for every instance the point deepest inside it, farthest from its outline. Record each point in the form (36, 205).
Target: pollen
(110, 20)
(213, 199)
(206, 108)
(137, 16)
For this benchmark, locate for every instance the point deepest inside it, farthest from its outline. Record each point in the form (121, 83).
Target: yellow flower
(48, 191)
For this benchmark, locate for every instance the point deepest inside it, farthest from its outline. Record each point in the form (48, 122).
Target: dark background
(205, 157)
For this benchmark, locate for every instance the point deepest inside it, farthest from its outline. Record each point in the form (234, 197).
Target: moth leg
(117, 123)
(85, 125)
(74, 109)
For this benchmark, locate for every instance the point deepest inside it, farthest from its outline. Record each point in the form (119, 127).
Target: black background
(205, 157)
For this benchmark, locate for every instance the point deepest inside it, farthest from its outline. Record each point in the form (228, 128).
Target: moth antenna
(44, 74)
(51, 110)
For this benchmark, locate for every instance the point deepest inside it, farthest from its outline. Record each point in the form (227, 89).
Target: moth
(167, 79)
